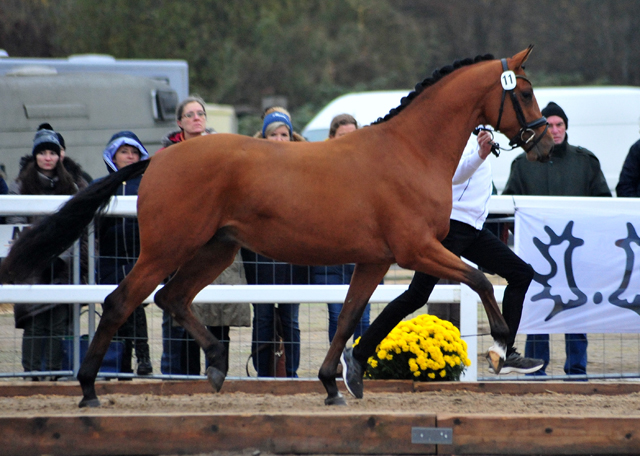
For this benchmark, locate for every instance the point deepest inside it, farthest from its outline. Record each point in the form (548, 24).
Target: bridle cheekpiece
(509, 80)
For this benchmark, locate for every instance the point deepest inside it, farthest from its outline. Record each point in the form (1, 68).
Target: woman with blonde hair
(276, 126)
(260, 270)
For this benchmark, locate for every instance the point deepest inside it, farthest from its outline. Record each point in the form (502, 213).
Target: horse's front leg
(364, 281)
(499, 329)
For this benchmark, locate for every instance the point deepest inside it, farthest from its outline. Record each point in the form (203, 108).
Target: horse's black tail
(54, 234)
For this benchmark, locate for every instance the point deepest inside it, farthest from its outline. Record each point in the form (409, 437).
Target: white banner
(8, 234)
(584, 255)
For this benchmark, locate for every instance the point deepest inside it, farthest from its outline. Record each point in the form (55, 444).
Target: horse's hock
(288, 417)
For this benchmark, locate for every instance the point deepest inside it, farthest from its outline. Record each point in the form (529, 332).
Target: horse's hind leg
(176, 297)
(134, 289)
(364, 281)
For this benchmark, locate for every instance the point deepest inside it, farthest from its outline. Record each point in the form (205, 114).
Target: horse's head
(514, 110)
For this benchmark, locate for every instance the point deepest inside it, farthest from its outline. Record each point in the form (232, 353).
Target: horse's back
(329, 202)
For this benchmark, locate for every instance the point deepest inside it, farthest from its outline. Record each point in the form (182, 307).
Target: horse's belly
(315, 247)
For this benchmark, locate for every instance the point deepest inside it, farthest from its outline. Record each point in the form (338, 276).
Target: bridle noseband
(526, 133)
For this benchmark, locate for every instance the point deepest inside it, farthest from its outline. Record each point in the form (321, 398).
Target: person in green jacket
(571, 171)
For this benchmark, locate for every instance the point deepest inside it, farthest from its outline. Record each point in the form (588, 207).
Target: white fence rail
(126, 206)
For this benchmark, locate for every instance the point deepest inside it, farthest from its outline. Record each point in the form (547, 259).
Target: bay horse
(378, 196)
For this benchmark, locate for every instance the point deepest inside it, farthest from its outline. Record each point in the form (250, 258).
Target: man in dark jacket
(629, 182)
(571, 171)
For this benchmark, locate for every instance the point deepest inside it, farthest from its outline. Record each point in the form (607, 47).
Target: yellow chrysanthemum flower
(423, 348)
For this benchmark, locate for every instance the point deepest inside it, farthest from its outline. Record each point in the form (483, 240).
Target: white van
(604, 120)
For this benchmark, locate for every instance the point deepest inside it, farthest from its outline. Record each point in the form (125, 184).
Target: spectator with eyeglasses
(191, 117)
(180, 352)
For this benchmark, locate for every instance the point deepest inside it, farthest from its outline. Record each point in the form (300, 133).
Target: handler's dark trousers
(481, 247)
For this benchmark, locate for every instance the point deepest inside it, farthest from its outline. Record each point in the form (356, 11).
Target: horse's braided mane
(435, 77)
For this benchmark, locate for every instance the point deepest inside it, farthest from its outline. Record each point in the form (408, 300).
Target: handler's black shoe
(144, 366)
(517, 363)
(352, 373)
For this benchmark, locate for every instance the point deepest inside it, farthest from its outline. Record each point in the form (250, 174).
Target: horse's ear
(522, 57)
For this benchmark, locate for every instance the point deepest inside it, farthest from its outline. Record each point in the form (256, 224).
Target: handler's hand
(484, 140)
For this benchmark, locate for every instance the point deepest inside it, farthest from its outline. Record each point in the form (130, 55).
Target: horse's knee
(175, 307)
(113, 308)
(160, 298)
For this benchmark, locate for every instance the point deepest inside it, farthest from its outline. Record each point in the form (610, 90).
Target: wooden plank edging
(326, 433)
(291, 386)
(545, 435)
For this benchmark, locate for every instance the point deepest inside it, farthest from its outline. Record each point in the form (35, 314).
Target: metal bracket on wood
(432, 436)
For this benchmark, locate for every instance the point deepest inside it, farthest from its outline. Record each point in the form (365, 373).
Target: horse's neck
(440, 120)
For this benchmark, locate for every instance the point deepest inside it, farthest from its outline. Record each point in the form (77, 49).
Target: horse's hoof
(89, 403)
(335, 400)
(215, 377)
(496, 356)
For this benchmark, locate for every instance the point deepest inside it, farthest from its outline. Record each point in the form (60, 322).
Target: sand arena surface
(547, 402)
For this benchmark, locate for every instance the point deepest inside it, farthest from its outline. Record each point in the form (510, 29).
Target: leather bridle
(526, 135)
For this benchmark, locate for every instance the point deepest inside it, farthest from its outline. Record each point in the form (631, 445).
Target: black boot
(142, 342)
(144, 366)
(144, 360)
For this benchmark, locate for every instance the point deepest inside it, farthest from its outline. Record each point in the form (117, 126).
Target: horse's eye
(526, 95)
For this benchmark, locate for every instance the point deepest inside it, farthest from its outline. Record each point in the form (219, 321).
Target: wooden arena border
(334, 431)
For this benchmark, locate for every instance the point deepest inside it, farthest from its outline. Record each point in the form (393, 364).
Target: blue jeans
(263, 332)
(339, 275)
(180, 353)
(537, 346)
(334, 312)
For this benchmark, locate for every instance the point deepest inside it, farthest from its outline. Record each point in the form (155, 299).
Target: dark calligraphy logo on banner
(625, 244)
(581, 298)
(543, 279)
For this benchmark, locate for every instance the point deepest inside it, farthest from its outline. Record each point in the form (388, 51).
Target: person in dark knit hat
(570, 171)
(80, 176)
(45, 324)
(552, 109)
